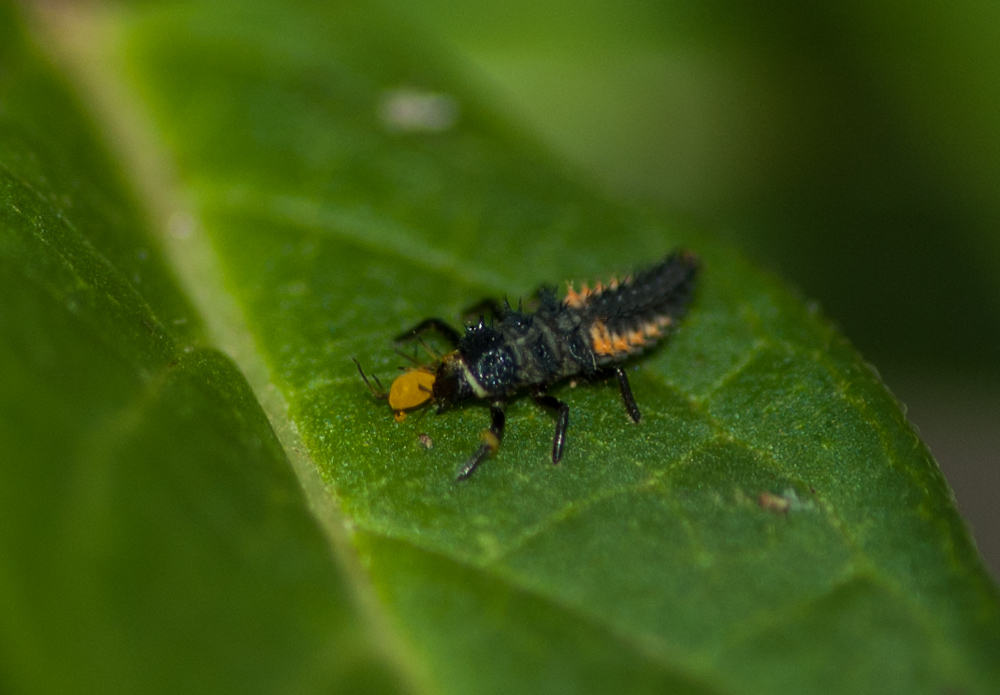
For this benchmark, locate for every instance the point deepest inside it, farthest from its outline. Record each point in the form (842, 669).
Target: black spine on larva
(664, 290)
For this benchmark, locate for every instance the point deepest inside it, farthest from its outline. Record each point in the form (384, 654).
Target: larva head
(451, 381)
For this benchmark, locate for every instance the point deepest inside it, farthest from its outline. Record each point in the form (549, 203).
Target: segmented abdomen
(630, 315)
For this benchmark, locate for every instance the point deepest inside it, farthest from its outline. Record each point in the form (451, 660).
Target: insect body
(589, 334)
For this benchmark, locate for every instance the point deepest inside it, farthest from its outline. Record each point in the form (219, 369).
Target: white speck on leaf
(412, 110)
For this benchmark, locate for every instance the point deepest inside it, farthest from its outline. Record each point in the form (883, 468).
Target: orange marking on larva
(619, 343)
(598, 288)
(613, 285)
(572, 298)
(651, 330)
(636, 338)
(600, 339)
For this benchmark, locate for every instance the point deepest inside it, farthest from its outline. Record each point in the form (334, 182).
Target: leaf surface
(152, 535)
(772, 524)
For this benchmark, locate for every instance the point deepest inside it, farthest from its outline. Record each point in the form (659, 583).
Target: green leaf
(152, 535)
(772, 525)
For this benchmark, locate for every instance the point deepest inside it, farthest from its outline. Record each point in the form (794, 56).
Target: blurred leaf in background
(313, 177)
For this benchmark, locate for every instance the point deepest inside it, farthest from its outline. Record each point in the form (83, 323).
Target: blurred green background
(852, 146)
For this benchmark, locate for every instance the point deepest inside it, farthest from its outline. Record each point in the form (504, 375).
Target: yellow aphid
(411, 389)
